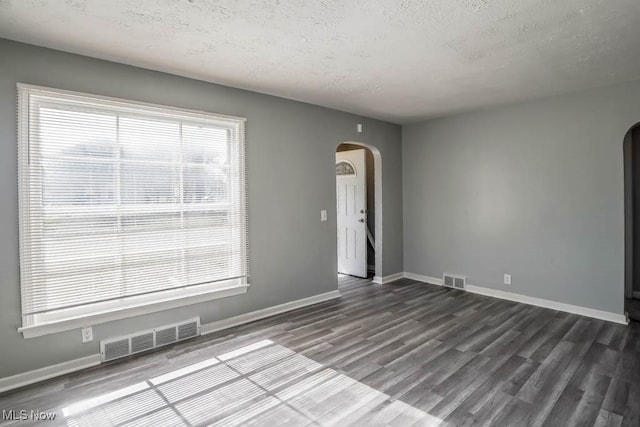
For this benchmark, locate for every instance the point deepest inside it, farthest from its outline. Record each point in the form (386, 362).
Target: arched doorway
(369, 215)
(632, 221)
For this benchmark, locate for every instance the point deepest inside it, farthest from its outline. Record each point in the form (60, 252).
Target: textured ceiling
(399, 60)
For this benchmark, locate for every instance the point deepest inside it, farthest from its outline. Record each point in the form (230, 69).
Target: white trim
(108, 316)
(388, 279)
(425, 279)
(241, 319)
(41, 374)
(539, 302)
(560, 306)
(149, 105)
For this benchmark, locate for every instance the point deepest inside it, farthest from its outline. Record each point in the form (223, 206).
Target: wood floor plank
(406, 353)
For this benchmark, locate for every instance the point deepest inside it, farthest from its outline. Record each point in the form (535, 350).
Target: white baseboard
(41, 374)
(425, 279)
(387, 279)
(560, 306)
(241, 319)
(568, 308)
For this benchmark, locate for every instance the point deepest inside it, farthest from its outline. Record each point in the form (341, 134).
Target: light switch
(323, 215)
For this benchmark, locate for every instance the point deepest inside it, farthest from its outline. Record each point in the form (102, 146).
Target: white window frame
(101, 312)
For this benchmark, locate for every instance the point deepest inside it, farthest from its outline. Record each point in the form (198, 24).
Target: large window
(126, 205)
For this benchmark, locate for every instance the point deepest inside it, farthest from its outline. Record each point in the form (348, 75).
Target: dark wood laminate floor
(400, 354)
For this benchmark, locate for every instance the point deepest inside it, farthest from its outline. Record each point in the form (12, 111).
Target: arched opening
(359, 210)
(632, 222)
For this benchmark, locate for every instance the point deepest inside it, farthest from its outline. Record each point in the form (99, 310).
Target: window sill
(173, 299)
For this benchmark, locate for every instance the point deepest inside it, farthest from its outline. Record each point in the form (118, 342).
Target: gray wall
(291, 159)
(534, 190)
(371, 207)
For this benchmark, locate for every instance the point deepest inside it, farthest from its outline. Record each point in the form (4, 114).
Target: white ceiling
(398, 60)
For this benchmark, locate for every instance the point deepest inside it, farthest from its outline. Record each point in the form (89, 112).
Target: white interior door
(352, 215)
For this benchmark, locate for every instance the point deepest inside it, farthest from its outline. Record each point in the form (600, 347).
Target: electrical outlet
(323, 215)
(87, 334)
(507, 279)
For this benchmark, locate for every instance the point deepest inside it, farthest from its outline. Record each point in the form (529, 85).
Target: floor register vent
(115, 348)
(454, 281)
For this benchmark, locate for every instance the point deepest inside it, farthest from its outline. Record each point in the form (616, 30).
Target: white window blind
(124, 201)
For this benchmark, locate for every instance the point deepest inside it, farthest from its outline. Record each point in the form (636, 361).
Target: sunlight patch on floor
(259, 384)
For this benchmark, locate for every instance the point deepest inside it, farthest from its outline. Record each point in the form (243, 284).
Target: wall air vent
(166, 336)
(115, 348)
(454, 281)
(188, 330)
(142, 342)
